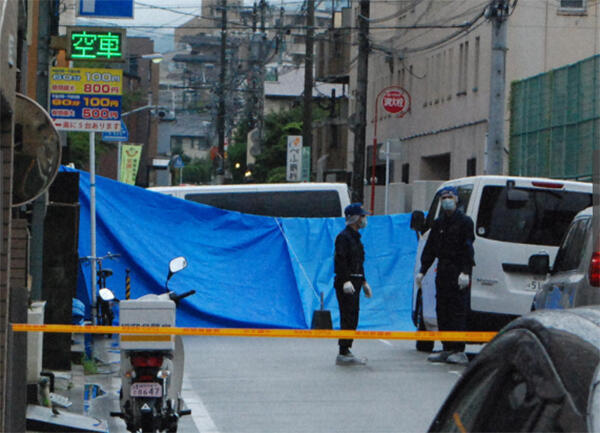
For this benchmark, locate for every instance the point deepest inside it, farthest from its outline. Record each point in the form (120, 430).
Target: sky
(154, 13)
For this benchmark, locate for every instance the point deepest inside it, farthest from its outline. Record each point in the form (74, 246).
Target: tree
(270, 165)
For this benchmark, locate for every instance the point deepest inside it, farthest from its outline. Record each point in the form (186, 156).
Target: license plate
(145, 389)
(535, 285)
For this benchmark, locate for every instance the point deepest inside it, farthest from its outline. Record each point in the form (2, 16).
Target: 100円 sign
(83, 99)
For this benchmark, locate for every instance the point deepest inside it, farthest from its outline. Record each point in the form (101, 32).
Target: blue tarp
(247, 270)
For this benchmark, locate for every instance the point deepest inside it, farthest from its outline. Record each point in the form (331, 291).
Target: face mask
(448, 204)
(363, 223)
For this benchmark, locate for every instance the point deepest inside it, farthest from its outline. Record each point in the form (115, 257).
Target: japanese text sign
(83, 99)
(96, 43)
(294, 158)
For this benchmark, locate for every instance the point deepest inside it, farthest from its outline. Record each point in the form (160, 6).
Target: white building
(446, 70)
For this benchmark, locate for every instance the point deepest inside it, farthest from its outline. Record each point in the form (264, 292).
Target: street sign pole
(93, 224)
(387, 175)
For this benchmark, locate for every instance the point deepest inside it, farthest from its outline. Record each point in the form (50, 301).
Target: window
(305, 204)
(573, 5)
(463, 63)
(471, 166)
(450, 70)
(571, 250)
(405, 173)
(541, 219)
(476, 65)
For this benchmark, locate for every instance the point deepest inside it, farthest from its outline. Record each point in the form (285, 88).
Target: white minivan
(514, 218)
(305, 199)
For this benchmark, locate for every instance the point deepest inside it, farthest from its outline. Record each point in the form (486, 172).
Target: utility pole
(260, 124)
(498, 13)
(221, 109)
(308, 76)
(358, 170)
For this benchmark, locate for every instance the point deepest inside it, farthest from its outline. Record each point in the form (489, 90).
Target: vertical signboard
(83, 99)
(130, 162)
(305, 164)
(294, 158)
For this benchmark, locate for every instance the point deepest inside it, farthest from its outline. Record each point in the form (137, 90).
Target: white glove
(463, 280)
(419, 279)
(367, 289)
(348, 288)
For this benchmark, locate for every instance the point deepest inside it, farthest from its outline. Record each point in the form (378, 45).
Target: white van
(308, 200)
(514, 217)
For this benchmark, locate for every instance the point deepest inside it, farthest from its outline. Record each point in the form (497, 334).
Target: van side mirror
(417, 221)
(539, 264)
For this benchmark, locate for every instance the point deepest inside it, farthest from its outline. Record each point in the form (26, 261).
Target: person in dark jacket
(350, 278)
(451, 242)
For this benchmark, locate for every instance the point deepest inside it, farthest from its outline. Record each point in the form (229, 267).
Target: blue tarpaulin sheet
(247, 270)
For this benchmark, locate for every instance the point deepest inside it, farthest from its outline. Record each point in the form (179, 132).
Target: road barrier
(473, 337)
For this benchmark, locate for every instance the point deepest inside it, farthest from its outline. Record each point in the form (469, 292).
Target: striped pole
(127, 284)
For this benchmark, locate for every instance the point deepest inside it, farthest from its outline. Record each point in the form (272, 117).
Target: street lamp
(155, 57)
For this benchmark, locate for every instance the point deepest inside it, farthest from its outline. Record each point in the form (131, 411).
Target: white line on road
(200, 415)
(386, 342)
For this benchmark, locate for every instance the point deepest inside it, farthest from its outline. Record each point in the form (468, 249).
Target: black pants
(349, 309)
(452, 306)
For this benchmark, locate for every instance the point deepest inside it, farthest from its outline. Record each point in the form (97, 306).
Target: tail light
(594, 274)
(146, 361)
(553, 185)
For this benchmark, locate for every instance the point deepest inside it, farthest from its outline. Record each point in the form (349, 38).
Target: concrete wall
(403, 197)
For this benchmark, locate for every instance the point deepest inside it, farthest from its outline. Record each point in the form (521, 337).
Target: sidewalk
(91, 389)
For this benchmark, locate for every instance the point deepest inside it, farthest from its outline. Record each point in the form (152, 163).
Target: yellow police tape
(474, 337)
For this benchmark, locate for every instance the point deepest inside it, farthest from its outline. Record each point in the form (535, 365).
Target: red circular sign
(396, 101)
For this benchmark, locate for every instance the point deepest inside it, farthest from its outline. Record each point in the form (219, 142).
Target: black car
(541, 373)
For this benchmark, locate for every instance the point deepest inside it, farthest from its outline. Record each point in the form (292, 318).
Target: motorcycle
(152, 365)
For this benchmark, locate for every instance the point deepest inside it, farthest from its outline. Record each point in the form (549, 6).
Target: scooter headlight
(163, 374)
(130, 374)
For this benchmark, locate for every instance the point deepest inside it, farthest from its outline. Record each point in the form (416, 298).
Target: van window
(571, 250)
(541, 219)
(464, 195)
(305, 204)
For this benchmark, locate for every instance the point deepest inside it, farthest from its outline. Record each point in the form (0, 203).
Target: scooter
(152, 365)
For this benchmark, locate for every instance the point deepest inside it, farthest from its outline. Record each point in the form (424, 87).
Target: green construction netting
(555, 122)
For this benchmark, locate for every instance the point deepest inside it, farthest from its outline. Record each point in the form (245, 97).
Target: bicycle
(105, 314)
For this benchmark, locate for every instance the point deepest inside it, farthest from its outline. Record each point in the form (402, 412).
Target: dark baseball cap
(355, 209)
(449, 190)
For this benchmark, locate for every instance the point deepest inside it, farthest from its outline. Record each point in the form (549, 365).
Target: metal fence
(555, 122)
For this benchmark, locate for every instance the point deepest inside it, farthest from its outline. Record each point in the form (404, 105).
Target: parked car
(574, 278)
(540, 373)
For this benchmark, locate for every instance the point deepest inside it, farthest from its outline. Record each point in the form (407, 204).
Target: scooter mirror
(106, 294)
(177, 264)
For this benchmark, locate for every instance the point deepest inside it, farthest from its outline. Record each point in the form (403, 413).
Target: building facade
(440, 52)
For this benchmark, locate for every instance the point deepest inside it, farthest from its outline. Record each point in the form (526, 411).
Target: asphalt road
(264, 385)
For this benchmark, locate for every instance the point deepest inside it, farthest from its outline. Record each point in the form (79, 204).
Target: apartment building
(419, 46)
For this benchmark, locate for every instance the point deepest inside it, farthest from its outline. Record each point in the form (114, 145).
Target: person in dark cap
(350, 278)
(451, 242)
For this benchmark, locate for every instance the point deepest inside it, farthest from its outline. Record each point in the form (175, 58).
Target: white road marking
(386, 342)
(200, 415)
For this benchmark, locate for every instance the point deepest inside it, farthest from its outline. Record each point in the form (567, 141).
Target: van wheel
(422, 346)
